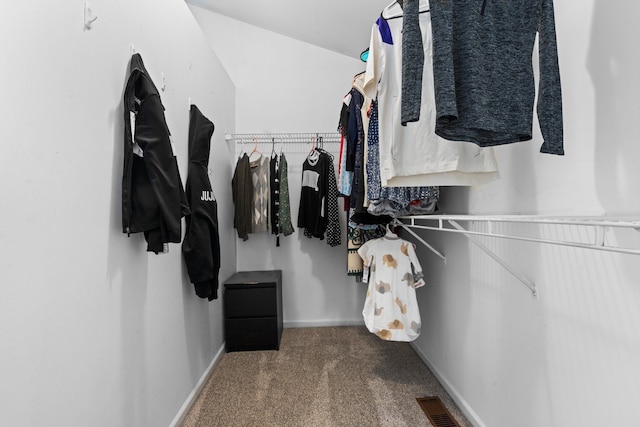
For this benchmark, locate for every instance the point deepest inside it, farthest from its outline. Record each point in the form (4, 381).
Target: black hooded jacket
(201, 246)
(153, 200)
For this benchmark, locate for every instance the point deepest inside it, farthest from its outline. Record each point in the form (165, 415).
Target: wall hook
(89, 16)
(163, 84)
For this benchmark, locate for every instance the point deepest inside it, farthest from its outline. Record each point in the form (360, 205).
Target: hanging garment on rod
(484, 77)
(318, 210)
(246, 197)
(260, 199)
(345, 169)
(274, 196)
(355, 154)
(393, 201)
(412, 62)
(414, 155)
(358, 84)
(286, 227)
(242, 190)
(362, 225)
(367, 197)
(201, 244)
(393, 273)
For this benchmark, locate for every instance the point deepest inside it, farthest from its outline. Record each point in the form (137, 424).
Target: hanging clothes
(345, 179)
(393, 201)
(201, 244)
(358, 84)
(362, 225)
(413, 155)
(260, 201)
(318, 210)
(357, 123)
(483, 71)
(286, 227)
(393, 273)
(355, 154)
(412, 62)
(242, 190)
(354, 242)
(274, 185)
(356, 237)
(153, 199)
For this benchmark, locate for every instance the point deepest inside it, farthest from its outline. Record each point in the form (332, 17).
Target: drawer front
(250, 302)
(252, 334)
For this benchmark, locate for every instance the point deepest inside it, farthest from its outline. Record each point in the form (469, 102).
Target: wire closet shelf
(450, 223)
(596, 224)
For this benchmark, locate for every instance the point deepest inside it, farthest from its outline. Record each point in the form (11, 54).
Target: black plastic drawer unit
(253, 310)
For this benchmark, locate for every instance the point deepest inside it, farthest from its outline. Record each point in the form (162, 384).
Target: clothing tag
(165, 248)
(418, 284)
(365, 274)
(136, 148)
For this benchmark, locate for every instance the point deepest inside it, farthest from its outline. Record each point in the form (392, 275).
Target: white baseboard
(455, 395)
(182, 413)
(322, 323)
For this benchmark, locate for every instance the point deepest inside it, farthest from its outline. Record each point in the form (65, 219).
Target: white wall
(284, 85)
(94, 331)
(570, 356)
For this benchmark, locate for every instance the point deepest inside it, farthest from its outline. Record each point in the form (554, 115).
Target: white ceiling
(343, 26)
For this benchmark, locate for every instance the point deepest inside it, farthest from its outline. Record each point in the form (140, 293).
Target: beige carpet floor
(330, 376)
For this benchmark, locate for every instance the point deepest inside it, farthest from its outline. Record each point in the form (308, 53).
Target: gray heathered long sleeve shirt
(412, 62)
(483, 70)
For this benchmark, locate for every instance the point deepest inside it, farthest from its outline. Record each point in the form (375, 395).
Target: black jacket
(153, 200)
(201, 246)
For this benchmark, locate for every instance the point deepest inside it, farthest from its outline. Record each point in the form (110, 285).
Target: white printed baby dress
(390, 308)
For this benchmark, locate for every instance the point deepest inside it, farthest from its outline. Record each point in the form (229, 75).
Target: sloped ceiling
(343, 26)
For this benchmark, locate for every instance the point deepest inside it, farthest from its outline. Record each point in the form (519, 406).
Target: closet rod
(285, 137)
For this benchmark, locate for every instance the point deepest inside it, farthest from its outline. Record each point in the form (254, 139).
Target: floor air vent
(436, 412)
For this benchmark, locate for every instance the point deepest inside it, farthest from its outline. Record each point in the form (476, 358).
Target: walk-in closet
(362, 213)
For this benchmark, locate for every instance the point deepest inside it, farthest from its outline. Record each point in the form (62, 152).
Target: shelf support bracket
(499, 260)
(421, 240)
